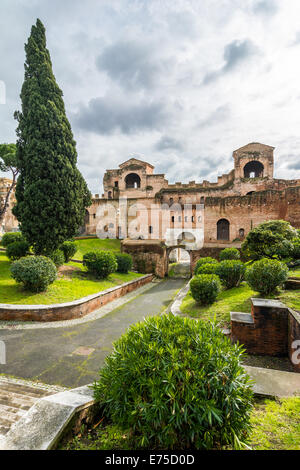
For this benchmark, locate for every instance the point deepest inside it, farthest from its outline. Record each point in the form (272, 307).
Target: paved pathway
(71, 356)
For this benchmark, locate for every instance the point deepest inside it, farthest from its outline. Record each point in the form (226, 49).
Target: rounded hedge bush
(11, 237)
(58, 258)
(231, 273)
(230, 253)
(124, 262)
(100, 263)
(205, 288)
(17, 250)
(36, 273)
(177, 383)
(266, 275)
(69, 249)
(208, 268)
(206, 260)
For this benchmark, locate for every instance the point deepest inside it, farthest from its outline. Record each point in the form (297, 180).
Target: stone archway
(182, 261)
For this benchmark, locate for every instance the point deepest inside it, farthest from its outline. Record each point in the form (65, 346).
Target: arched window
(133, 181)
(254, 169)
(223, 229)
(242, 233)
(109, 195)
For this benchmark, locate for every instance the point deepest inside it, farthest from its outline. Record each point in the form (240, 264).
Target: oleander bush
(100, 263)
(230, 253)
(124, 262)
(231, 273)
(205, 288)
(208, 268)
(17, 250)
(176, 383)
(69, 249)
(266, 275)
(206, 260)
(36, 273)
(12, 237)
(58, 258)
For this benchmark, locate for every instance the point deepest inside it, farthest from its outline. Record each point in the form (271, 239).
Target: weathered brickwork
(271, 329)
(8, 222)
(221, 212)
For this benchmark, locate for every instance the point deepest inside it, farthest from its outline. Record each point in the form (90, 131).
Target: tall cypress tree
(51, 192)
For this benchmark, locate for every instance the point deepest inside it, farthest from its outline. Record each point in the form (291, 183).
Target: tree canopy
(271, 239)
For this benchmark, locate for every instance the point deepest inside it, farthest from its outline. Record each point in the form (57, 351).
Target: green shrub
(69, 249)
(206, 260)
(124, 262)
(231, 273)
(100, 263)
(11, 237)
(271, 239)
(205, 288)
(265, 275)
(36, 273)
(230, 253)
(296, 249)
(58, 258)
(17, 250)
(208, 268)
(176, 383)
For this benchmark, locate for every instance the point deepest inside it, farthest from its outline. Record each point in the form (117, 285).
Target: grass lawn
(275, 426)
(84, 246)
(73, 283)
(233, 300)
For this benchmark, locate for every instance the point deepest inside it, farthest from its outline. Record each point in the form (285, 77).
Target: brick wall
(270, 330)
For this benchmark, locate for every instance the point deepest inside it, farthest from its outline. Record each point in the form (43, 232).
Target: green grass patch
(232, 300)
(275, 426)
(295, 272)
(73, 283)
(84, 246)
(237, 299)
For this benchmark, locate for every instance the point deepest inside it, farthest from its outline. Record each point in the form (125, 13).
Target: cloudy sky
(178, 83)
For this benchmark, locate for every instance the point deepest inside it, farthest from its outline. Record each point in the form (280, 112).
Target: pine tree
(51, 192)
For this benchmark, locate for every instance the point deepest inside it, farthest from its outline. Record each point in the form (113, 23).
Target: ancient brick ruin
(138, 204)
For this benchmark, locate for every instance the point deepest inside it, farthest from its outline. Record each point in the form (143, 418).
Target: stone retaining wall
(271, 329)
(69, 311)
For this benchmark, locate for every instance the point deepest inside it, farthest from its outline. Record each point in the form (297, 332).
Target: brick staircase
(17, 397)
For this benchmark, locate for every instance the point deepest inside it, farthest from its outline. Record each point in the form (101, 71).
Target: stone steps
(17, 397)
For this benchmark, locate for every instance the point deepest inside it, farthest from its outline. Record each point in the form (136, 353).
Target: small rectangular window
(173, 219)
(150, 229)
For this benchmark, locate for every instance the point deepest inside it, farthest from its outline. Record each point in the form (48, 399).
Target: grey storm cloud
(133, 65)
(294, 165)
(168, 143)
(105, 115)
(266, 7)
(220, 114)
(235, 53)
